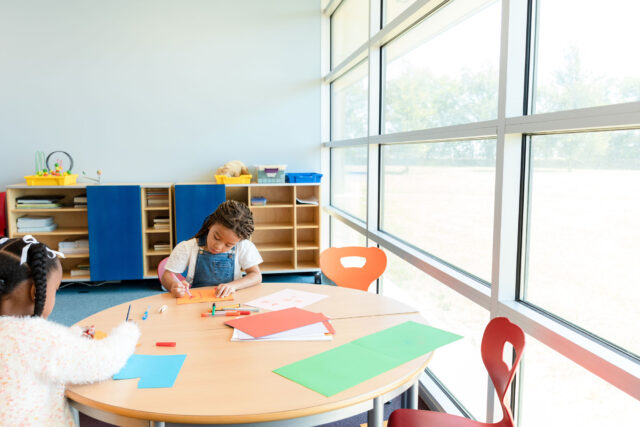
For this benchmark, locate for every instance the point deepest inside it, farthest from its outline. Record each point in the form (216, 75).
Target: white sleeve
(248, 255)
(75, 359)
(179, 258)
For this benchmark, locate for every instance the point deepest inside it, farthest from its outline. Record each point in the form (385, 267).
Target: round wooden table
(223, 382)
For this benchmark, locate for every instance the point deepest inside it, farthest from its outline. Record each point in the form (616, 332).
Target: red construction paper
(260, 325)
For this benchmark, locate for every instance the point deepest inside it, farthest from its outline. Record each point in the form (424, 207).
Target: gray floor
(74, 302)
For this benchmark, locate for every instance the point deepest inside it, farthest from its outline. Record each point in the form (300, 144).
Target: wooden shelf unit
(287, 234)
(151, 257)
(72, 222)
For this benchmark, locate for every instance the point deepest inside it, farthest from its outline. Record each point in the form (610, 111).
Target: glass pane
(593, 61)
(349, 180)
(393, 8)
(343, 235)
(445, 70)
(458, 365)
(584, 232)
(446, 189)
(349, 29)
(349, 104)
(554, 391)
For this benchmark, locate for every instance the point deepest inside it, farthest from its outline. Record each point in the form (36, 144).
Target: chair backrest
(161, 269)
(497, 333)
(353, 277)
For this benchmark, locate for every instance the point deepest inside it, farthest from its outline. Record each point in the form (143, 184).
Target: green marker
(213, 309)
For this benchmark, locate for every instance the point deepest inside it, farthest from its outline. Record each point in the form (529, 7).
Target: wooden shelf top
(58, 232)
(156, 230)
(67, 276)
(68, 256)
(308, 225)
(154, 252)
(272, 205)
(308, 245)
(276, 266)
(274, 226)
(266, 247)
(16, 210)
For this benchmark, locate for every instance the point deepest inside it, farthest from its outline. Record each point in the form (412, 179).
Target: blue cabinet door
(115, 232)
(193, 203)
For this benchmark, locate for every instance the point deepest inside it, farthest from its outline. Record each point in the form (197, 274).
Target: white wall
(159, 90)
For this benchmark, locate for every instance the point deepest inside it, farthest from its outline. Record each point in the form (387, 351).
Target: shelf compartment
(308, 259)
(307, 215)
(273, 218)
(275, 194)
(277, 260)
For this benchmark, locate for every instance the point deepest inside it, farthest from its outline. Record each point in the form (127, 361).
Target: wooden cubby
(150, 234)
(287, 233)
(71, 221)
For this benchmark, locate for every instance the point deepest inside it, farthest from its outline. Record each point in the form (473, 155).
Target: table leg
(75, 414)
(376, 414)
(412, 397)
(156, 423)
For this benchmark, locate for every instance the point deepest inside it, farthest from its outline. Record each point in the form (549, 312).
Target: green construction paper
(406, 341)
(337, 369)
(350, 364)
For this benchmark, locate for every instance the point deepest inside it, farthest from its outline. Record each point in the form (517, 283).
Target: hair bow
(30, 240)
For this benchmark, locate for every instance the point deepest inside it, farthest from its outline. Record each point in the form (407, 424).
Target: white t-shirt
(186, 253)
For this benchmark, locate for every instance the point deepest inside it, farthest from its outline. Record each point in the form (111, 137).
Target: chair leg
(412, 397)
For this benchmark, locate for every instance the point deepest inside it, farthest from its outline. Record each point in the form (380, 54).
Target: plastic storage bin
(271, 174)
(242, 179)
(303, 177)
(51, 180)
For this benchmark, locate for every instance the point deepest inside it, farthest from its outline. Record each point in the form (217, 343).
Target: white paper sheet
(286, 298)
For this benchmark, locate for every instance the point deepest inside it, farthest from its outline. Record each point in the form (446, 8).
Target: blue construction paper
(154, 371)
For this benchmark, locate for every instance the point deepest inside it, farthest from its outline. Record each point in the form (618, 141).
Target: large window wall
(492, 149)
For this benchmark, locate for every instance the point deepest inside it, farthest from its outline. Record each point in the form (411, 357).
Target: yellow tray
(51, 180)
(242, 179)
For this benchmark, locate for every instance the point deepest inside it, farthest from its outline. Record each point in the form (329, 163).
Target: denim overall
(213, 269)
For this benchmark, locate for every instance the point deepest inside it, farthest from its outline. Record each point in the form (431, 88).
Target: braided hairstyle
(37, 267)
(236, 216)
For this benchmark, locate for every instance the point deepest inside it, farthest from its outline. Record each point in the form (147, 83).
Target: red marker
(165, 344)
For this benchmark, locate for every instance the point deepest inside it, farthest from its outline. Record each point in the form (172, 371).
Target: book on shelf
(311, 200)
(39, 206)
(161, 226)
(82, 198)
(258, 201)
(72, 247)
(34, 221)
(161, 246)
(38, 199)
(37, 229)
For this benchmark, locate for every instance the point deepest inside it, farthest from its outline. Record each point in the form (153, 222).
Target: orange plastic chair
(353, 277)
(161, 270)
(498, 332)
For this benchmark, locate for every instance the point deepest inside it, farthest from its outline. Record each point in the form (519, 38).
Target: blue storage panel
(115, 232)
(193, 203)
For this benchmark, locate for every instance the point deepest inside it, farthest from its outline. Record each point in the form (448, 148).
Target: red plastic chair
(161, 270)
(498, 332)
(353, 277)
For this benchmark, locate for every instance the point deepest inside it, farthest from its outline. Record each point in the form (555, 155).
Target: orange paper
(260, 325)
(202, 295)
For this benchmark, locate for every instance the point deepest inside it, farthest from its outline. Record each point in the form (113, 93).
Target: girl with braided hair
(38, 357)
(217, 254)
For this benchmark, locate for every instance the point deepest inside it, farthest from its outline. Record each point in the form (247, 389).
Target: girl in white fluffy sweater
(38, 357)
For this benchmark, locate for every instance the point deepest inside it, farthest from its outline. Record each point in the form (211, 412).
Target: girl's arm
(70, 358)
(252, 278)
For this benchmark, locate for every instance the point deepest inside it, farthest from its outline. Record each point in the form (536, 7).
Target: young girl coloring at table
(38, 357)
(217, 254)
